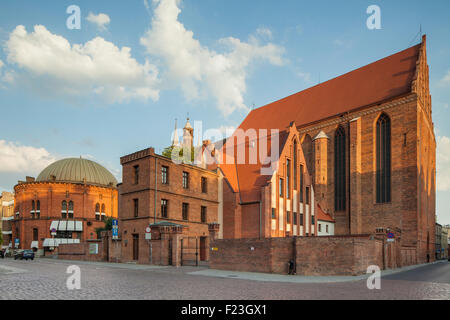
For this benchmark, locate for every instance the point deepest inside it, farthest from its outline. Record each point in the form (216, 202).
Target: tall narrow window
(185, 180)
(38, 209)
(339, 169)
(35, 234)
(204, 185)
(281, 187)
(203, 215)
(295, 165)
(64, 209)
(164, 208)
(164, 175)
(136, 207)
(136, 174)
(307, 195)
(288, 178)
(33, 208)
(383, 159)
(185, 211)
(70, 209)
(301, 184)
(97, 211)
(103, 212)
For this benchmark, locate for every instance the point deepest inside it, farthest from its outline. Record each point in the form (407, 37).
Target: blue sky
(272, 49)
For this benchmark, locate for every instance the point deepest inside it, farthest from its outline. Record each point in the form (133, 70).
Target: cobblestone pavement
(46, 279)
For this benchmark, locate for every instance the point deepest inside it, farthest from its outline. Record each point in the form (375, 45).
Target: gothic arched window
(339, 169)
(70, 209)
(383, 159)
(97, 211)
(64, 209)
(295, 164)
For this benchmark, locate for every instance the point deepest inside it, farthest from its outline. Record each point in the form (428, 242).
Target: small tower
(188, 135)
(175, 142)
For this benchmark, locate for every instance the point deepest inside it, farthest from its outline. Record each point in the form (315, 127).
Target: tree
(176, 153)
(107, 227)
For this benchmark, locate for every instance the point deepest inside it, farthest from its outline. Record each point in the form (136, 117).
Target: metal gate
(189, 251)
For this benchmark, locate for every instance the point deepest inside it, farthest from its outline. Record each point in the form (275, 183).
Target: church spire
(175, 142)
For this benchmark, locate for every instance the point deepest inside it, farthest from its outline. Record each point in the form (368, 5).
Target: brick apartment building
(361, 147)
(72, 196)
(6, 217)
(180, 202)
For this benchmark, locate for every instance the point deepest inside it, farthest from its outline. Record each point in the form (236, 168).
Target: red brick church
(357, 152)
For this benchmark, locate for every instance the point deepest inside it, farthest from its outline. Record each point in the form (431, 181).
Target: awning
(35, 244)
(64, 225)
(56, 242)
(7, 232)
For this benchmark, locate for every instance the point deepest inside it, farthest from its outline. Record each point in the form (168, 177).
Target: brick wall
(80, 251)
(344, 255)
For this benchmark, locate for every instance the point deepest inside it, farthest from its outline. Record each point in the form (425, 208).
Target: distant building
(444, 243)
(6, 216)
(71, 197)
(438, 241)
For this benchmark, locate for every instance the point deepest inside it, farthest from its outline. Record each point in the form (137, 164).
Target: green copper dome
(77, 170)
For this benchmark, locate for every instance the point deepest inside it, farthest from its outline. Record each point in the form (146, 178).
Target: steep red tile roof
(323, 216)
(379, 81)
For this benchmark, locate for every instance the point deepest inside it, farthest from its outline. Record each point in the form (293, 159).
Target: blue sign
(115, 222)
(115, 232)
(16, 242)
(390, 235)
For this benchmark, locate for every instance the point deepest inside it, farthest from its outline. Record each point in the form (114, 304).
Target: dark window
(301, 184)
(164, 204)
(103, 212)
(204, 185)
(35, 234)
(64, 209)
(288, 179)
(185, 180)
(70, 210)
(273, 213)
(301, 219)
(281, 187)
(164, 175)
(383, 159)
(295, 218)
(326, 227)
(203, 215)
(319, 227)
(288, 217)
(136, 174)
(136, 207)
(38, 209)
(307, 195)
(97, 208)
(295, 165)
(312, 220)
(32, 209)
(339, 169)
(185, 211)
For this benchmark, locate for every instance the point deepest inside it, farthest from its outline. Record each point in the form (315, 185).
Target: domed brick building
(71, 197)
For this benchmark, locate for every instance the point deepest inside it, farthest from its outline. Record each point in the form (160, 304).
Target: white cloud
(101, 20)
(264, 32)
(443, 163)
(23, 159)
(446, 79)
(305, 76)
(200, 71)
(98, 67)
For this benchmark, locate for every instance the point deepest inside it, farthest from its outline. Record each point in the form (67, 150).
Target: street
(46, 279)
